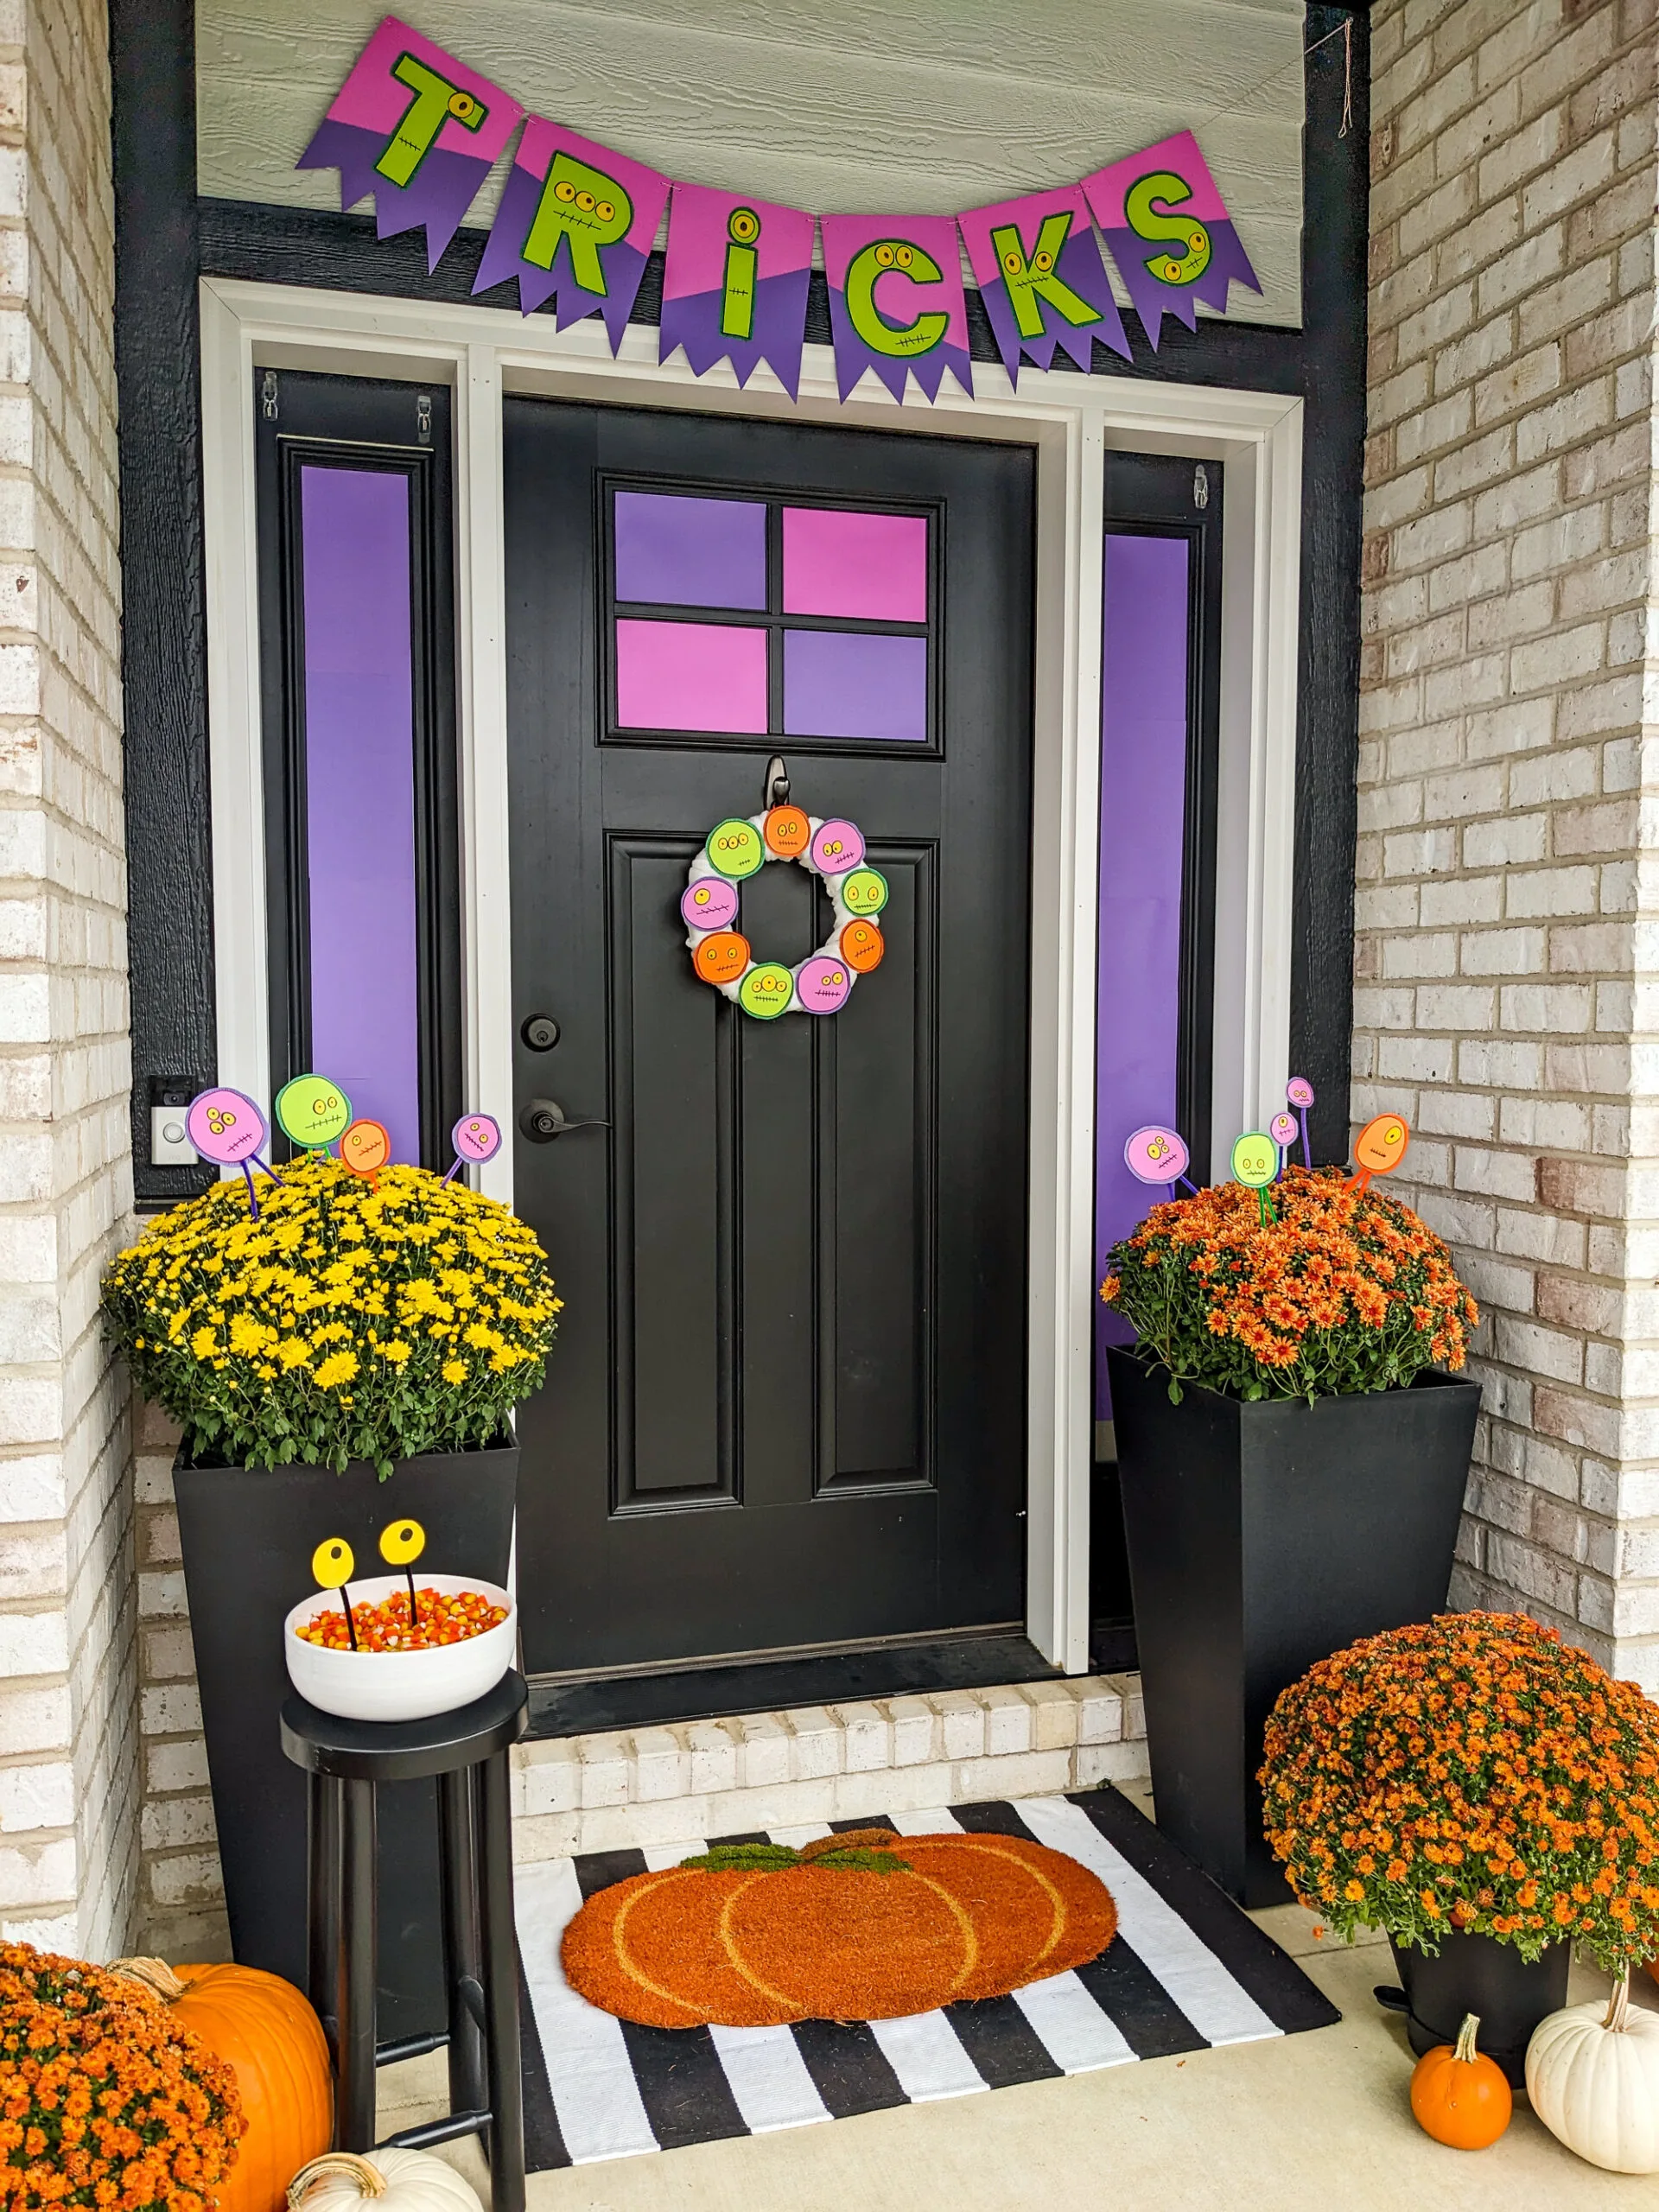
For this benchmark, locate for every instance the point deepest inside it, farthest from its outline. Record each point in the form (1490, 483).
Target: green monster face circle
(734, 848)
(1255, 1160)
(865, 891)
(311, 1112)
(766, 990)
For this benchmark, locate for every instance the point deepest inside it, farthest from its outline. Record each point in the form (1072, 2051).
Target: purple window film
(1142, 834)
(853, 683)
(359, 793)
(869, 568)
(691, 676)
(677, 552)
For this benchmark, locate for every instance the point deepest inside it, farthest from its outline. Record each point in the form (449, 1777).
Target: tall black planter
(247, 1536)
(1261, 1537)
(1478, 1974)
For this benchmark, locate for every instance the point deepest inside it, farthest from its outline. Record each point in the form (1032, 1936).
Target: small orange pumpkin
(266, 2032)
(1459, 2096)
(864, 1925)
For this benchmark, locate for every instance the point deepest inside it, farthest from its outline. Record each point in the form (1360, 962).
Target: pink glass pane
(677, 552)
(871, 566)
(691, 676)
(849, 684)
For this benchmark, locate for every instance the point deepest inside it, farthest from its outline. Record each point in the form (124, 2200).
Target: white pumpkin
(397, 2181)
(1593, 2079)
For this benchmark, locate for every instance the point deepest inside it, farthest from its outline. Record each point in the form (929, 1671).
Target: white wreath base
(703, 869)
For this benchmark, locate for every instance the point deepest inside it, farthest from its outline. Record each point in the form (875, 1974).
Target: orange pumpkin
(266, 2032)
(860, 1926)
(1459, 2097)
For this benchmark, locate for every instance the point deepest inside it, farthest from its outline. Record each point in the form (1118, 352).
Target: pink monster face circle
(1282, 1128)
(709, 903)
(837, 847)
(1155, 1155)
(823, 984)
(477, 1137)
(225, 1127)
(1299, 1091)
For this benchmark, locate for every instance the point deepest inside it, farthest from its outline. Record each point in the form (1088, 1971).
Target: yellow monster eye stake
(401, 1543)
(332, 1564)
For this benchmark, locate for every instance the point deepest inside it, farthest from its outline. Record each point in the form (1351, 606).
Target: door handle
(544, 1119)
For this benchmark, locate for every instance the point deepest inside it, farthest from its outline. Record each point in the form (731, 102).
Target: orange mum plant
(1473, 1774)
(104, 2101)
(1344, 1291)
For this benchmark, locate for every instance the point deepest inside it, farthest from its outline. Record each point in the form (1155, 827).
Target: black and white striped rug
(1186, 1970)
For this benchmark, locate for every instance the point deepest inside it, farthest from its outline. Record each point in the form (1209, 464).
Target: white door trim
(1071, 420)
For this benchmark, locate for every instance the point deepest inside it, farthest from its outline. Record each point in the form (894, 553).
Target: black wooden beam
(164, 638)
(1336, 174)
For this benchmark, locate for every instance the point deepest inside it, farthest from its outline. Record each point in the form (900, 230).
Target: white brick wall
(69, 1768)
(1508, 904)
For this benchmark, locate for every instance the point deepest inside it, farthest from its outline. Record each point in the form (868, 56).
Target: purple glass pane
(359, 793)
(845, 684)
(685, 552)
(691, 676)
(1142, 815)
(871, 568)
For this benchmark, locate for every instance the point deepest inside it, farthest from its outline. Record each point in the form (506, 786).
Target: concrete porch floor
(1300, 2124)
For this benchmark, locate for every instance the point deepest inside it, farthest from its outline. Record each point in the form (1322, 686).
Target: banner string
(1345, 31)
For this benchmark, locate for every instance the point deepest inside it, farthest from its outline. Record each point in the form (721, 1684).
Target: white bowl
(398, 1685)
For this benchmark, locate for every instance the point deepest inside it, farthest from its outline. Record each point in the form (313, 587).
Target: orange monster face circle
(722, 957)
(787, 831)
(1381, 1145)
(862, 947)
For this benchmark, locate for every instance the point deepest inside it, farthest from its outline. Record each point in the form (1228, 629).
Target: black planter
(247, 1536)
(1261, 1537)
(1478, 1974)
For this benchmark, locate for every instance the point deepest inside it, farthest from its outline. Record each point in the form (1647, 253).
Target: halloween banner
(1037, 265)
(896, 302)
(576, 225)
(734, 283)
(1168, 231)
(416, 129)
(418, 132)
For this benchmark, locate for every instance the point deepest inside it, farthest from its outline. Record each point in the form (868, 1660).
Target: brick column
(69, 1773)
(1505, 964)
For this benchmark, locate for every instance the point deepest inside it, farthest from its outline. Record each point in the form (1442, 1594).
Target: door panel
(787, 1405)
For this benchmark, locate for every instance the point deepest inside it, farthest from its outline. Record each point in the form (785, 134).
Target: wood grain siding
(823, 104)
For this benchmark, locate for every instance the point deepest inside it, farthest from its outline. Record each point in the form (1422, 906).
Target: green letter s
(1152, 222)
(435, 102)
(1026, 280)
(584, 205)
(920, 336)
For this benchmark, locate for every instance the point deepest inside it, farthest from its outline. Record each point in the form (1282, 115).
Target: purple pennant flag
(735, 283)
(896, 302)
(416, 129)
(576, 225)
(1169, 232)
(1037, 265)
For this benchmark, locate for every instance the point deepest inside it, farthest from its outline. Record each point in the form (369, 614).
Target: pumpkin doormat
(853, 1927)
(1185, 1969)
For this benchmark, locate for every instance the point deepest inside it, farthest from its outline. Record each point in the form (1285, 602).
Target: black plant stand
(467, 1752)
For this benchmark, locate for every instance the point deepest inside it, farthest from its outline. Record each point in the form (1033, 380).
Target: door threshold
(597, 1703)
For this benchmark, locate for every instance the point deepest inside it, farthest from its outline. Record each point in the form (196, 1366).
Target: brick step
(778, 1769)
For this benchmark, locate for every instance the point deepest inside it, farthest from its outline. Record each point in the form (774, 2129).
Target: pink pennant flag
(1169, 232)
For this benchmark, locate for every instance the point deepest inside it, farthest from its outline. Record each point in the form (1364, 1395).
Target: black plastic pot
(247, 1536)
(1478, 1974)
(1262, 1537)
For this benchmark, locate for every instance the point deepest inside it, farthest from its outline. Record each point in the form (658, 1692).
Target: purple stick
(1307, 1150)
(253, 1203)
(455, 1168)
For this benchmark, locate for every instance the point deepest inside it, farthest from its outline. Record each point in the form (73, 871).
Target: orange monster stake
(1379, 1148)
(1457, 2096)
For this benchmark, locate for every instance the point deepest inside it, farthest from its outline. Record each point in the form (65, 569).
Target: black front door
(787, 1407)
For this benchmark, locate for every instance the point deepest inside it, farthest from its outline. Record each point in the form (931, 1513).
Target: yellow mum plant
(349, 1321)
